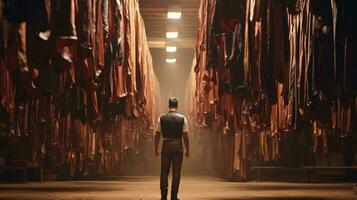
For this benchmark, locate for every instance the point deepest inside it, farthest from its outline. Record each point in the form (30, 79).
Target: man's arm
(187, 144)
(185, 138)
(157, 138)
(157, 141)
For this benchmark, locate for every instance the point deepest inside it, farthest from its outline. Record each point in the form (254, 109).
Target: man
(173, 127)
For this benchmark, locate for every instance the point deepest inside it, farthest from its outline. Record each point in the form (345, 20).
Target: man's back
(172, 125)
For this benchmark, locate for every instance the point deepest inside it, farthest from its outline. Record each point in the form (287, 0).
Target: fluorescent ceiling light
(174, 15)
(170, 60)
(171, 34)
(171, 48)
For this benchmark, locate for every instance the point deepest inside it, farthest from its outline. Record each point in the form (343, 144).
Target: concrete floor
(130, 188)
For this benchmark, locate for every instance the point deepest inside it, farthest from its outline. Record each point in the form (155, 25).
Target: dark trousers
(171, 154)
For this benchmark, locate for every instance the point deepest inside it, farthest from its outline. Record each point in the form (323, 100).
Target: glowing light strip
(174, 15)
(170, 60)
(171, 49)
(171, 34)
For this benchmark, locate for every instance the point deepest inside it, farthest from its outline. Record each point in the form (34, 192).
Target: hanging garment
(322, 67)
(99, 39)
(350, 71)
(15, 10)
(268, 80)
(64, 18)
(294, 21)
(16, 57)
(235, 60)
(294, 6)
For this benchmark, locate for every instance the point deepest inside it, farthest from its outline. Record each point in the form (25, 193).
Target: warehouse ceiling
(171, 76)
(154, 13)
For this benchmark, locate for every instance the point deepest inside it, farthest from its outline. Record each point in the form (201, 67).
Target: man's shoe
(174, 197)
(163, 195)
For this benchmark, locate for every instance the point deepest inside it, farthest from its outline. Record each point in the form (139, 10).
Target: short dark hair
(173, 102)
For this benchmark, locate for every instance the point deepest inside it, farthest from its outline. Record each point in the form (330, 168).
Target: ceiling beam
(184, 43)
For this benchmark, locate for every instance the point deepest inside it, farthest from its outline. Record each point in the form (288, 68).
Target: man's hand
(187, 145)
(156, 147)
(157, 155)
(187, 155)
